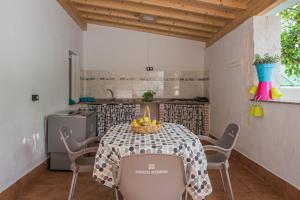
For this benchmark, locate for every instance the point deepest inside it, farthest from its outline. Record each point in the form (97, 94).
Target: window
(288, 81)
(290, 44)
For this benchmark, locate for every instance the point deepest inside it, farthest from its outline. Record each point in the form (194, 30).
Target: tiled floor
(55, 186)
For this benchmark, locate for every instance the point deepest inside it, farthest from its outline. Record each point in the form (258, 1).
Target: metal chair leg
(184, 195)
(231, 197)
(222, 178)
(73, 185)
(117, 194)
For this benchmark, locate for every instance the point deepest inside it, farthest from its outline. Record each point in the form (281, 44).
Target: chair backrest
(70, 143)
(229, 138)
(152, 176)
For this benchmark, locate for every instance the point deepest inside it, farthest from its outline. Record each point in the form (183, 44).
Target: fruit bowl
(145, 125)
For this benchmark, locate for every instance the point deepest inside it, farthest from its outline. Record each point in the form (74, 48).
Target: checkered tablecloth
(172, 139)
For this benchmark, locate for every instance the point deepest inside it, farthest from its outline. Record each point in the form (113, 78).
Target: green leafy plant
(266, 59)
(290, 40)
(148, 96)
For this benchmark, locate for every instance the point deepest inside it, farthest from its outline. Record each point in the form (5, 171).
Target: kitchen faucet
(111, 92)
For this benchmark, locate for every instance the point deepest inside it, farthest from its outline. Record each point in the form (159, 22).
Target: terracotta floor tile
(55, 186)
(269, 196)
(257, 185)
(246, 196)
(238, 186)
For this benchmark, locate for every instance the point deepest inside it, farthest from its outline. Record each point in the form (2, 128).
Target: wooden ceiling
(202, 20)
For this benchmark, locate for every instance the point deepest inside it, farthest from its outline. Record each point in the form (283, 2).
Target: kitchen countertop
(140, 101)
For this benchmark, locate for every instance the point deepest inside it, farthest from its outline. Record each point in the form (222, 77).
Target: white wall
(118, 49)
(35, 38)
(272, 141)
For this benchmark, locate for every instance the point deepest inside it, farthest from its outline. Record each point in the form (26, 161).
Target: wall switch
(35, 97)
(149, 68)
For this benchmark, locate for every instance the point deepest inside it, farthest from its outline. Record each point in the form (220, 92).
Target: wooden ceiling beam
(135, 28)
(154, 26)
(154, 11)
(186, 6)
(231, 4)
(108, 12)
(203, 20)
(71, 10)
(135, 16)
(188, 25)
(256, 7)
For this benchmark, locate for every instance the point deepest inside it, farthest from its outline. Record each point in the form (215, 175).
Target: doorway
(74, 78)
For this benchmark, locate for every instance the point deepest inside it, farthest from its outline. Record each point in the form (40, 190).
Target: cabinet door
(100, 117)
(189, 116)
(109, 115)
(118, 114)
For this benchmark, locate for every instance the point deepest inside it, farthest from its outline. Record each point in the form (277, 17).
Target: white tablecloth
(172, 139)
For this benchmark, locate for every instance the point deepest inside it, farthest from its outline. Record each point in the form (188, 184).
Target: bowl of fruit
(145, 124)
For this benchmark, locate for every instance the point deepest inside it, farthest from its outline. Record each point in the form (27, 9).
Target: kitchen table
(172, 139)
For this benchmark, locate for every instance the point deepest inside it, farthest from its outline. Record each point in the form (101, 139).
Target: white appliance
(82, 124)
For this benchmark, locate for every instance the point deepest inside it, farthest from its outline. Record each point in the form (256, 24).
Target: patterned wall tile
(167, 84)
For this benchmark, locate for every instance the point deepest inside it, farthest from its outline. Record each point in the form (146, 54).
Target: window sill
(281, 101)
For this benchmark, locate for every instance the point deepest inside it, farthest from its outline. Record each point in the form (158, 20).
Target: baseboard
(284, 188)
(13, 191)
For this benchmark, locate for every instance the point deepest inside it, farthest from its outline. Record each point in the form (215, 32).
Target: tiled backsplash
(166, 84)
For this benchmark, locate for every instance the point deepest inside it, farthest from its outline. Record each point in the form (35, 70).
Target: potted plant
(264, 66)
(148, 96)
